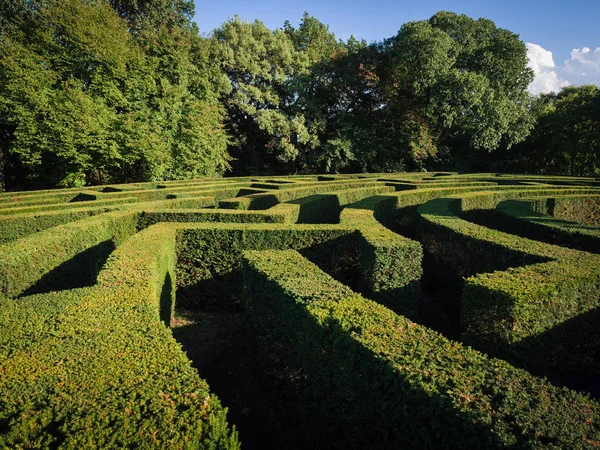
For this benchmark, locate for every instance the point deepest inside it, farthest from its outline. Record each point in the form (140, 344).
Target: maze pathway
(333, 274)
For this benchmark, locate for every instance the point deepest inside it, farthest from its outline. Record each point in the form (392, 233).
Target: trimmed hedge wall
(519, 217)
(209, 256)
(18, 226)
(25, 261)
(585, 210)
(96, 368)
(149, 217)
(264, 201)
(484, 200)
(517, 291)
(325, 208)
(368, 378)
(65, 206)
(391, 266)
(13, 228)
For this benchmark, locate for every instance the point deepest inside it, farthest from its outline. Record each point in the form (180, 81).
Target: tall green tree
(260, 65)
(143, 15)
(319, 94)
(566, 137)
(454, 83)
(83, 100)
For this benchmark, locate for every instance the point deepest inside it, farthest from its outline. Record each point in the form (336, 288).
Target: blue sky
(549, 26)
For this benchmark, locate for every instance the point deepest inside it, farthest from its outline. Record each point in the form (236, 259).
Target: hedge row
(48, 196)
(150, 217)
(365, 377)
(325, 208)
(398, 210)
(209, 256)
(52, 200)
(25, 262)
(264, 201)
(585, 210)
(520, 295)
(96, 367)
(391, 265)
(47, 200)
(215, 190)
(65, 206)
(13, 228)
(406, 185)
(387, 266)
(519, 217)
(484, 200)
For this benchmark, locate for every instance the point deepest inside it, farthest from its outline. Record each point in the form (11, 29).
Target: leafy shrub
(368, 378)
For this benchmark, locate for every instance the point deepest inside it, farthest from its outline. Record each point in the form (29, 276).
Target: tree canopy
(83, 100)
(96, 91)
(566, 138)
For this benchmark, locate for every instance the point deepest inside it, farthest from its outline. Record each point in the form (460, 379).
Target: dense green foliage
(520, 217)
(85, 99)
(96, 367)
(585, 210)
(424, 391)
(517, 291)
(566, 139)
(114, 91)
(88, 359)
(23, 264)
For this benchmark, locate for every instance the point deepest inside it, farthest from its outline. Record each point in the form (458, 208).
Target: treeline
(96, 91)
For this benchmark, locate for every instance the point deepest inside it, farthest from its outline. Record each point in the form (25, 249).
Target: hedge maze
(400, 310)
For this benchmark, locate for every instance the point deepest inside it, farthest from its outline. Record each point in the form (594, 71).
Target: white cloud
(542, 63)
(582, 68)
(540, 59)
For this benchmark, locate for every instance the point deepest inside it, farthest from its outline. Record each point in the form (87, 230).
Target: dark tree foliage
(145, 14)
(566, 138)
(455, 86)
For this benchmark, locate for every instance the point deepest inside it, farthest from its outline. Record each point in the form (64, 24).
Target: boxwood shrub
(97, 368)
(518, 294)
(364, 377)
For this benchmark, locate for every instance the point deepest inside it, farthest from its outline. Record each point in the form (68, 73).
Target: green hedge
(519, 217)
(585, 210)
(65, 206)
(264, 201)
(391, 265)
(364, 377)
(96, 368)
(8, 199)
(519, 294)
(209, 256)
(16, 227)
(484, 200)
(25, 261)
(46, 200)
(325, 208)
(150, 217)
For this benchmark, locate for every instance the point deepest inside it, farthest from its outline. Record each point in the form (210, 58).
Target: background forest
(95, 91)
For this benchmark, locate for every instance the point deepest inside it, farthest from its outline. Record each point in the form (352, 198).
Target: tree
(83, 101)
(566, 137)
(260, 65)
(454, 82)
(145, 15)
